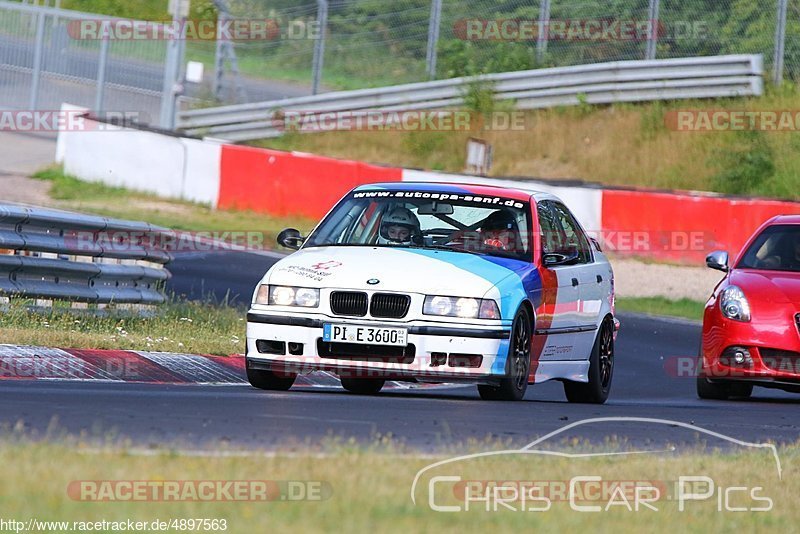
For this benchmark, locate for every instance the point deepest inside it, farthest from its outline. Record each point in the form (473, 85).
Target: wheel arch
(528, 305)
(608, 317)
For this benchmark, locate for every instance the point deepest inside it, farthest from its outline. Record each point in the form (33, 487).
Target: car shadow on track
(466, 393)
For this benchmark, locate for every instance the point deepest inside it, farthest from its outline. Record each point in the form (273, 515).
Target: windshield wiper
(442, 247)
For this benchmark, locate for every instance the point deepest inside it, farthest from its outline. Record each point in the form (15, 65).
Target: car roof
(785, 219)
(516, 193)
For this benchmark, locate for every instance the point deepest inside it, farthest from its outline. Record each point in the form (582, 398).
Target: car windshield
(460, 222)
(777, 248)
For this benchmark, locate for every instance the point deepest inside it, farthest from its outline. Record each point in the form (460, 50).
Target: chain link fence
(370, 43)
(43, 64)
(323, 45)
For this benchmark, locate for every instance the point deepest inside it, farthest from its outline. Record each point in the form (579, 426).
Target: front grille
(366, 353)
(781, 360)
(389, 305)
(349, 303)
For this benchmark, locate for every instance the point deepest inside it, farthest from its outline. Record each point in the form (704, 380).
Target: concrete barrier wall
(683, 227)
(149, 162)
(672, 226)
(291, 183)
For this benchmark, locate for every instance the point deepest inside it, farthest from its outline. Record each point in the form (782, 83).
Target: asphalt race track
(240, 416)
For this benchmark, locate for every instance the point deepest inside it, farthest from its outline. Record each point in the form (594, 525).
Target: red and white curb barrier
(26, 362)
(22, 362)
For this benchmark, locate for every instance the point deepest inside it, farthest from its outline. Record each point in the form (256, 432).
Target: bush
(746, 163)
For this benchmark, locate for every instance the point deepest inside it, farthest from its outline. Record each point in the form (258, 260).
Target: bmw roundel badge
(373, 281)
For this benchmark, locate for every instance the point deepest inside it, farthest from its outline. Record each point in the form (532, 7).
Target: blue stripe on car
(514, 278)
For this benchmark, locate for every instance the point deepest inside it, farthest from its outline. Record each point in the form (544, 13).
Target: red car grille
(785, 361)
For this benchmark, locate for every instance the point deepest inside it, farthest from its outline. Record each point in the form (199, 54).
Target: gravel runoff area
(20, 156)
(638, 279)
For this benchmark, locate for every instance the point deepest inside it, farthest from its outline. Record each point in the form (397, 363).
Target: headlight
(262, 294)
(734, 304)
(465, 307)
(307, 298)
(282, 296)
(287, 296)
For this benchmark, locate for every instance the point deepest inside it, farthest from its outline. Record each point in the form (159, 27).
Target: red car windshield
(777, 248)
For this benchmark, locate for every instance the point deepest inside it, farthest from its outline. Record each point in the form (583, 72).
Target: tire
(264, 379)
(741, 390)
(601, 370)
(518, 363)
(720, 390)
(363, 386)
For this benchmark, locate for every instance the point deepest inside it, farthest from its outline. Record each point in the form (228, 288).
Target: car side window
(550, 231)
(575, 238)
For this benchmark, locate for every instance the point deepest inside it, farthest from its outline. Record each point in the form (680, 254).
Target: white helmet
(403, 218)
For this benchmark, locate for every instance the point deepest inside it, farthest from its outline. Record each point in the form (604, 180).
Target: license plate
(365, 335)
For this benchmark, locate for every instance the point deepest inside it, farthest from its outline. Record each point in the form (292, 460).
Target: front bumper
(772, 344)
(430, 340)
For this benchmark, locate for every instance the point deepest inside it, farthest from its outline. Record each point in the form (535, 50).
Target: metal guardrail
(60, 255)
(599, 83)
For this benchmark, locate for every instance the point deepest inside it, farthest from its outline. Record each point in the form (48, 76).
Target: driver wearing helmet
(399, 227)
(500, 230)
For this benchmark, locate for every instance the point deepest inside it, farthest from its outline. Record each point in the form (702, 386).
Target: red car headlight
(734, 305)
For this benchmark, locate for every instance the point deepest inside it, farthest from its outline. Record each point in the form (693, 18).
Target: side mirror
(290, 238)
(554, 258)
(718, 260)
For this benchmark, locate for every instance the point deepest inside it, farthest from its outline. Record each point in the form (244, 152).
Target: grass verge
(367, 488)
(686, 308)
(190, 327)
(71, 193)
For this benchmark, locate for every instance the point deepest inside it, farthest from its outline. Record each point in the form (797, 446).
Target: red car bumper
(771, 342)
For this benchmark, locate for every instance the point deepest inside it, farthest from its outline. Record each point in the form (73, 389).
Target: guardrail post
(433, 38)
(37, 61)
(780, 42)
(319, 45)
(101, 75)
(652, 39)
(544, 30)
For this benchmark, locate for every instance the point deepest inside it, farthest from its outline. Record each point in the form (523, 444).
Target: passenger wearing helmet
(399, 227)
(500, 230)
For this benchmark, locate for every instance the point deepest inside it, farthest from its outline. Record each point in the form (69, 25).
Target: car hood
(394, 269)
(768, 286)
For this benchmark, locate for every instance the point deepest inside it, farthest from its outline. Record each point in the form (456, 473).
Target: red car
(751, 325)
